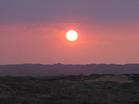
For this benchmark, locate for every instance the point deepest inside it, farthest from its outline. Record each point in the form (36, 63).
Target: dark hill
(61, 69)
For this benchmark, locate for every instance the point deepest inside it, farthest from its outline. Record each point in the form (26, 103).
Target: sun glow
(72, 35)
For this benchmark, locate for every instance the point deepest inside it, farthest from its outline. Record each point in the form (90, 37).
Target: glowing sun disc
(72, 35)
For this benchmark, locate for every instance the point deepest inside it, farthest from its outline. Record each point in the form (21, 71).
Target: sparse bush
(67, 90)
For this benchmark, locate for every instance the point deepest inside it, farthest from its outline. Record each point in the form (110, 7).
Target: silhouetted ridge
(61, 69)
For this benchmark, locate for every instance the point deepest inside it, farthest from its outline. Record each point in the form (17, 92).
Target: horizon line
(70, 64)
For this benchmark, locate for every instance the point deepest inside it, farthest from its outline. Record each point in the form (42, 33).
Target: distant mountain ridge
(69, 69)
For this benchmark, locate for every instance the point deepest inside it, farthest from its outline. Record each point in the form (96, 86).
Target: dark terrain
(81, 89)
(69, 84)
(61, 69)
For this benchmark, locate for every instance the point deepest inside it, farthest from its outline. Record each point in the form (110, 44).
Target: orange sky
(44, 43)
(33, 31)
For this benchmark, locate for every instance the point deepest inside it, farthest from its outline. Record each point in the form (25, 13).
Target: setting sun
(72, 35)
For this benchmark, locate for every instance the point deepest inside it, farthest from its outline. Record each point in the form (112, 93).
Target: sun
(72, 35)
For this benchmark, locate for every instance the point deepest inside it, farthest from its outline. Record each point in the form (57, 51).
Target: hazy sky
(33, 31)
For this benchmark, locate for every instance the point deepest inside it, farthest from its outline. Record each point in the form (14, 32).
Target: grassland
(91, 89)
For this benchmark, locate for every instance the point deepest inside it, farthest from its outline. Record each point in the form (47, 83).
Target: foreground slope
(70, 90)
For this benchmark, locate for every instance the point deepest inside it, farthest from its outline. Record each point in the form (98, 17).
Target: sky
(33, 31)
